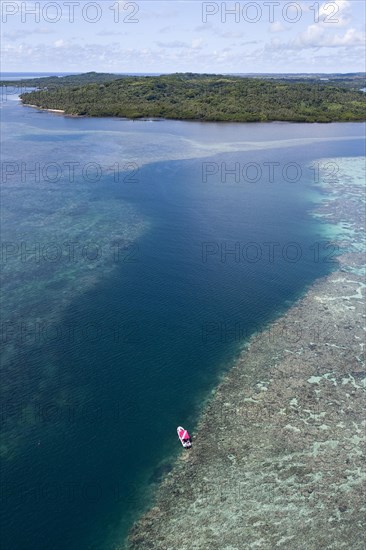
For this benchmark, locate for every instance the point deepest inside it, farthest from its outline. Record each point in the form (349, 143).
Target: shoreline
(283, 465)
(43, 108)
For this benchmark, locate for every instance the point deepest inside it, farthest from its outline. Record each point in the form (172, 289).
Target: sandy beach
(43, 109)
(277, 459)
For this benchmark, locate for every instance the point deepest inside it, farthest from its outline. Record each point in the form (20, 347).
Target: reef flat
(277, 458)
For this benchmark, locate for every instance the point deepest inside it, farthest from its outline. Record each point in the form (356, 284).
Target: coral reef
(277, 457)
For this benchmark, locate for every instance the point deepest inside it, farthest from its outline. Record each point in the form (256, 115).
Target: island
(203, 97)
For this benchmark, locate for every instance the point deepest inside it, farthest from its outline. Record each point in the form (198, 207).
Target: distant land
(205, 97)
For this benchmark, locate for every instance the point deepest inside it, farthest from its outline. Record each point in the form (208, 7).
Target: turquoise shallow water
(126, 297)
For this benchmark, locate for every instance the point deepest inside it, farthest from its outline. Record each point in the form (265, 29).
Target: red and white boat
(184, 437)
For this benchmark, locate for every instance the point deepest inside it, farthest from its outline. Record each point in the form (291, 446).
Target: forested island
(202, 97)
(51, 82)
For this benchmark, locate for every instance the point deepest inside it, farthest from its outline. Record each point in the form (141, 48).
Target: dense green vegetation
(354, 81)
(206, 97)
(51, 82)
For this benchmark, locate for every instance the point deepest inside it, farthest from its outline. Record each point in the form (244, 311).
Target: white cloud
(277, 26)
(187, 44)
(322, 33)
(197, 43)
(335, 13)
(316, 36)
(351, 38)
(174, 44)
(59, 43)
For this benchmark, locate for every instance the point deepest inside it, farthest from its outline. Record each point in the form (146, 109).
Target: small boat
(184, 437)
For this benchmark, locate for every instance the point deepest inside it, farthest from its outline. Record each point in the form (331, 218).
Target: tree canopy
(204, 97)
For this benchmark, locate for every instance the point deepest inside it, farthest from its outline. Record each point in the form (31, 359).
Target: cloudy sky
(188, 35)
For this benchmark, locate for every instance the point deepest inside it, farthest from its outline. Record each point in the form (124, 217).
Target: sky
(152, 36)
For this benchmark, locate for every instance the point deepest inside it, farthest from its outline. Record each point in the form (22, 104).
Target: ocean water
(135, 266)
